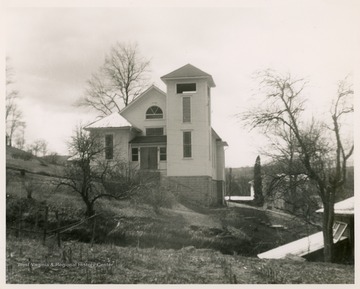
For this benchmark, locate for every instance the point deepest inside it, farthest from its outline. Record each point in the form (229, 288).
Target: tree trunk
(89, 205)
(328, 221)
(90, 209)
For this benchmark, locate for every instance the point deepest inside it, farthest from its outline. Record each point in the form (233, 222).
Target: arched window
(154, 112)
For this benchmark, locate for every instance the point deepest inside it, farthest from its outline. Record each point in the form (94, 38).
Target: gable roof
(188, 71)
(114, 120)
(152, 87)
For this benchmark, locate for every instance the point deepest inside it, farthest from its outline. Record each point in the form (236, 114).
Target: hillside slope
(17, 159)
(133, 244)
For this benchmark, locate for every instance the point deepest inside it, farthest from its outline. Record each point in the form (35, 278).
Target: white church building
(170, 133)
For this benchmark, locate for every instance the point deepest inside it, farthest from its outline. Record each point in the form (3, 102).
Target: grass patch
(29, 262)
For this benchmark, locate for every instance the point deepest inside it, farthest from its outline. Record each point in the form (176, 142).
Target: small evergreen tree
(258, 195)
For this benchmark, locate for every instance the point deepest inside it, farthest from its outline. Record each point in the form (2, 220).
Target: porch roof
(161, 139)
(345, 207)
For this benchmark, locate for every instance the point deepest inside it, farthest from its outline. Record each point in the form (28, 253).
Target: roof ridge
(189, 65)
(141, 95)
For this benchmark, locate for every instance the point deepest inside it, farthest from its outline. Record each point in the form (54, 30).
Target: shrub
(26, 156)
(30, 187)
(119, 188)
(17, 208)
(53, 159)
(157, 196)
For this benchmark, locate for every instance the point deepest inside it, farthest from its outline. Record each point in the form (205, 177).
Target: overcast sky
(55, 50)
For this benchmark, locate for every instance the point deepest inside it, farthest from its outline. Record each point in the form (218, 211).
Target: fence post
(45, 223)
(70, 255)
(58, 228)
(36, 220)
(19, 223)
(80, 254)
(93, 231)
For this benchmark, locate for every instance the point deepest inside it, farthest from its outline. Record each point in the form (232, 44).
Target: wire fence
(55, 232)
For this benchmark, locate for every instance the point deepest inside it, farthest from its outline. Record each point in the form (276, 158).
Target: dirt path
(240, 205)
(195, 218)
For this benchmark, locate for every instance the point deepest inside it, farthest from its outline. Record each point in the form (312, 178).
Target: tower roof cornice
(188, 71)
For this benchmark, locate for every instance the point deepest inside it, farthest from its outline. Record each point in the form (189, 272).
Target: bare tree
(35, 148)
(38, 146)
(14, 123)
(11, 94)
(287, 187)
(13, 115)
(43, 147)
(20, 138)
(323, 163)
(90, 176)
(120, 80)
(291, 191)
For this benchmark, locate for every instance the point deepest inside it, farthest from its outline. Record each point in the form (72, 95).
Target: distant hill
(244, 172)
(17, 159)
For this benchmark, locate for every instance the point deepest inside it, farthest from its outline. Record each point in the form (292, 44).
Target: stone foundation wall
(220, 192)
(201, 190)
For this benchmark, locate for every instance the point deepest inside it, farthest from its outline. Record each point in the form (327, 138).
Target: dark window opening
(154, 131)
(185, 88)
(109, 146)
(187, 144)
(154, 112)
(135, 154)
(163, 154)
(338, 229)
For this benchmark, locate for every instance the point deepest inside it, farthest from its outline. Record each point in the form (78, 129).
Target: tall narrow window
(135, 154)
(154, 112)
(163, 154)
(187, 144)
(109, 146)
(186, 109)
